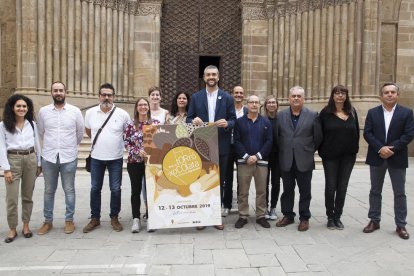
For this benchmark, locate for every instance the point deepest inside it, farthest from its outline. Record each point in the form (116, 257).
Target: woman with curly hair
(179, 108)
(20, 160)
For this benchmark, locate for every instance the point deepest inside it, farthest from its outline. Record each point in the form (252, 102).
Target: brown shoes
(402, 233)
(46, 227)
(116, 225)
(284, 222)
(219, 227)
(371, 227)
(91, 225)
(303, 226)
(69, 227)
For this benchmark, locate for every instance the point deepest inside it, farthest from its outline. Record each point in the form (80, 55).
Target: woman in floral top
(134, 144)
(179, 108)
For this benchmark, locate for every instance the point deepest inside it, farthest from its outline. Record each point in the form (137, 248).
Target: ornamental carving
(148, 9)
(254, 13)
(291, 8)
(141, 7)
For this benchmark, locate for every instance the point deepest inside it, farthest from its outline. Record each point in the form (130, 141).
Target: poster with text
(182, 176)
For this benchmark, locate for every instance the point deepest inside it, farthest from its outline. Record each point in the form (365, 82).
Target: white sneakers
(136, 226)
(225, 212)
(271, 214)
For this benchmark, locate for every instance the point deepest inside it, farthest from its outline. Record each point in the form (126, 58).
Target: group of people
(264, 147)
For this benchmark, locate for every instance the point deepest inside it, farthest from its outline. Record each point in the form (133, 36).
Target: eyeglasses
(271, 102)
(253, 102)
(106, 95)
(337, 93)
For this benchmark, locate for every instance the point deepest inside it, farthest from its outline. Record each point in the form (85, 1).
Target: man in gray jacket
(300, 135)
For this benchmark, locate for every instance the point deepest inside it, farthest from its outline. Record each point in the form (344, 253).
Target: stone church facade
(267, 46)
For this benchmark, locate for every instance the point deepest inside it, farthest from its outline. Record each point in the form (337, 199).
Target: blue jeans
(98, 168)
(67, 177)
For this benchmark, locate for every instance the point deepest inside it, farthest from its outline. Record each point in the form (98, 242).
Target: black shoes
(334, 224)
(331, 224)
(10, 239)
(338, 224)
(240, 223)
(263, 222)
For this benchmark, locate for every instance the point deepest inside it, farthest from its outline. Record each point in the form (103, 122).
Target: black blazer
(224, 110)
(400, 134)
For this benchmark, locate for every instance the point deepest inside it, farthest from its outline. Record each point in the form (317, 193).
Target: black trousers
(226, 191)
(337, 174)
(136, 173)
(273, 178)
(229, 178)
(287, 200)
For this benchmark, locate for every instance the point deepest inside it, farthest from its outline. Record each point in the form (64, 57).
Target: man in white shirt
(214, 105)
(107, 153)
(389, 128)
(60, 127)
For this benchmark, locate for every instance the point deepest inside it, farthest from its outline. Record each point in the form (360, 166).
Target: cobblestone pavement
(251, 250)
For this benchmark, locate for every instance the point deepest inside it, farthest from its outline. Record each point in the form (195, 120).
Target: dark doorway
(195, 34)
(205, 61)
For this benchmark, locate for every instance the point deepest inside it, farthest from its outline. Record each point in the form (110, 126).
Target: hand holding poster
(182, 176)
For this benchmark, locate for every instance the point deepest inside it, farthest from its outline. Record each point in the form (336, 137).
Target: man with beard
(60, 127)
(216, 106)
(107, 153)
(240, 110)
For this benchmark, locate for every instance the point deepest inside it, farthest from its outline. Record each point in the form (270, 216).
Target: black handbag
(88, 163)
(89, 158)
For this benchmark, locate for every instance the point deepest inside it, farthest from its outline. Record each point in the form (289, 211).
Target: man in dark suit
(389, 128)
(299, 137)
(217, 106)
(240, 110)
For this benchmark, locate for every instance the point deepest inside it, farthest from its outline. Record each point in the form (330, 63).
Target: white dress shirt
(22, 139)
(61, 131)
(110, 143)
(211, 101)
(387, 119)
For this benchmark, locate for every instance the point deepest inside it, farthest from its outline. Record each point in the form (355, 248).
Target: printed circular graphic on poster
(182, 165)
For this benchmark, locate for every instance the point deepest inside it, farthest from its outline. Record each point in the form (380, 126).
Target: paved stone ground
(248, 251)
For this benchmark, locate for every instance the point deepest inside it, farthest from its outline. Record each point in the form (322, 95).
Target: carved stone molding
(291, 8)
(149, 8)
(254, 13)
(136, 7)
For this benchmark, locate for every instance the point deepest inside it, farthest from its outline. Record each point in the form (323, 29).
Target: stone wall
(7, 50)
(85, 43)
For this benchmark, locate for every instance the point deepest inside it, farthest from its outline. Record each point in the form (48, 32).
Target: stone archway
(195, 34)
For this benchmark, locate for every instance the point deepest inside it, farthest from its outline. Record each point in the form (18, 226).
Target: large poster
(182, 176)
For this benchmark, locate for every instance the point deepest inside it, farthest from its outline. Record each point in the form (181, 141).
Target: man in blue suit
(389, 128)
(214, 105)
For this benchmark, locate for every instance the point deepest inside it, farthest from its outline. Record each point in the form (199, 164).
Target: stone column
(255, 50)
(27, 44)
(147, 30)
